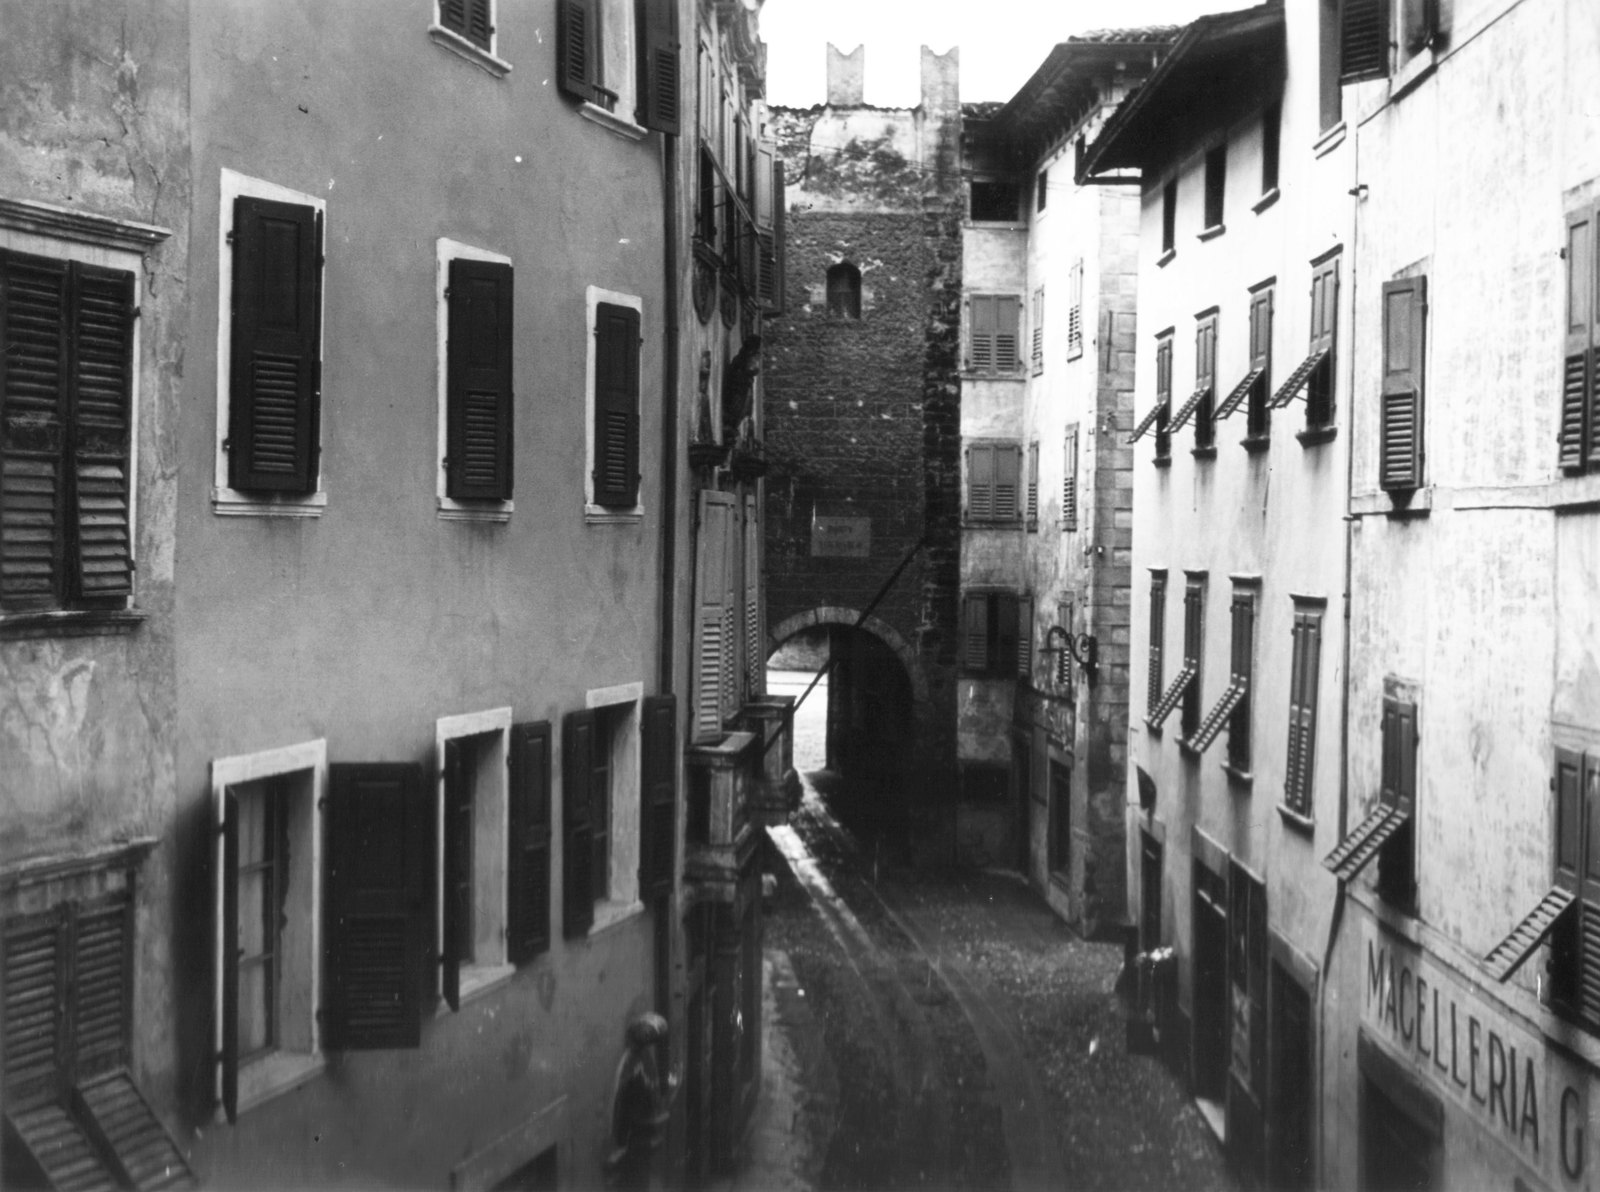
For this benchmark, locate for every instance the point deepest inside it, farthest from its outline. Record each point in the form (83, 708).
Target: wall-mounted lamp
(1081, 648)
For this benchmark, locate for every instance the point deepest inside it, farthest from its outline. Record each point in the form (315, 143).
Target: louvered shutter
(1291, 763)
(1008, 317)
(780, 219)
(1025, 637)
(478, 382)
(1003, 663)
(710, 644)
(1302, 711)
(34, 997)
(980, 482)
(33, 430)
(470, 18)
(1193, 647)
(102, 981)
(616, 406)
(982, 325)
(577, 829)
(732, 598)
(1069, 485)
(1260, 361)
(379, 874)
(143, 1154)
(1036, 332)
(1578, 366)
(755, 654)
(1033, 484)
(1400, 433)
(975, 632)
(456, 880)
(578, 47)
(1567, 957)
(102, 397)
(1007, 481)
(528, 859)
(658, 769)
(1158, 636)
(1363, 39)
(1589, 894)
(1163, 397)
(273, 387)
(228, 955)
(657, 21)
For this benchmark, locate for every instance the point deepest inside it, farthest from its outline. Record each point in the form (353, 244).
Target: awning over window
(1236, 398)
(1147, 422)
(1364, 841)
(1188, 408)
(103, 1135)
(1173, 695)
(1297, 379)
(1211, 726)
(1507, 956)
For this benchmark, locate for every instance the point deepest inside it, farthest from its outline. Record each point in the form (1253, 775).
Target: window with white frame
(472, 835)
(473, 325)
(621, 59)
(269, 350)
(469, 28)
(611, 473)
(269, 919)
(600, 810)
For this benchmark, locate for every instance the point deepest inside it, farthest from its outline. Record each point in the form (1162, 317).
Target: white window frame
(621, 900)
(233, 502)
(491, 812)
(101, 242)
(487, 60)
(448, 250)
(602, 514)
(279, 1071)
(617, 71)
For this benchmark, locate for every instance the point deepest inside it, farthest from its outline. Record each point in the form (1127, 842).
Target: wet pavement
(933, 1029)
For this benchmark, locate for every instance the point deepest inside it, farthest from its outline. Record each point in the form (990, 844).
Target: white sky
(1002, 41)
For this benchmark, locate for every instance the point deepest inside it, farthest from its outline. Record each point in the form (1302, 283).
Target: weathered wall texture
(94, 105)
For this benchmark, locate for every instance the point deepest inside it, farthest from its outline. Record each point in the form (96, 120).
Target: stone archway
(848, 618)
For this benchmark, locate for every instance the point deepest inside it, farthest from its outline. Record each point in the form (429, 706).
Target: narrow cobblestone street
(944, 1029)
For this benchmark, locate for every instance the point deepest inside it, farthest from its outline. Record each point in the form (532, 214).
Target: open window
(1315, 374)
(995, 200)
(997, 635)
(601, 810)
(1232, 711)
(1254, 388)
(1159, 415)
(1387, 832)
(621, 58)
(473, 831)
(844, 291)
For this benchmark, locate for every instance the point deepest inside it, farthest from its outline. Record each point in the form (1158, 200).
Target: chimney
(941, 80)
(846, 73)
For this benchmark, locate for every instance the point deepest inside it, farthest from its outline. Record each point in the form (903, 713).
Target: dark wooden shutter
(975, 632)
(1069, 484)
(1243, 664)
(470, 18)
(1398, 787)
(1568, 850)
(659, 796)
(273, 388)
(102, 401)
(780, 218)
(1033, 484)
(1007, 481)
(33, 995)
(479, 413)
(1163, 397)
(528, 860)
(1363, 38)
(1578, 371)
(981, 320)
(1025, 637)
(1193, 647)
(1298, 767)
(755, 655)
(578, 47)
(657, 21)
(616, 406)
(1256, 415)
(1400, 434)
(711, 641)
(1002, 660)
(33, 430)
(456, 880)
(980, 482)
(228, 961)
(379, 876)
(577, 836)
(102, 978)
(1008, 318)
(1589, 894)
(1158, 636)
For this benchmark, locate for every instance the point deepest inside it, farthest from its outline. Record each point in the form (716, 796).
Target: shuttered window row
(66, 412)
(993, 327)
(993, 480)
(1579, 427)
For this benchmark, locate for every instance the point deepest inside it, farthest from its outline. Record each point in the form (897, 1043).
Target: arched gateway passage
(874, 683)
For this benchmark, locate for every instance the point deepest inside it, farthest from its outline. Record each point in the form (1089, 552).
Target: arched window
(844, 290)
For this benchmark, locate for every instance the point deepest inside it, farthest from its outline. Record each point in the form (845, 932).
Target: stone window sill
(601, 515)
(232, 502)
(1330, 140)
(71, 622)
(1165, 258)
(1150, 727)
(1162, 461)
(1293, 819)
(1242, 777)
(1316, 436)
(972, 374)
(1412, 73)
(1212, 232)
(470, 50)
(995, 225)
(1267, 199)
(969, 523)
(609, 915)
(1204, 452)
(1256, 444)
(477, 980)
(623, 127)
(1188, 750)
(498, 512)
(271, 1076)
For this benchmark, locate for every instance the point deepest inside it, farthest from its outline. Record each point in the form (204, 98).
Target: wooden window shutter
(455, 948)
(778, 303)
(982, 325)
(711, 594)
(478, 382)
(657, 21)
(102, 985)
(227, 958)
(1363, 39)
(470, 18)
(1036, 332)
(708, 95)
(379, 874)
(102, 399)
(1569, 832)
(616, 406)
(1008, 317)
(755, 637)
(35, 998)
(1578, 364)
(578, 47)
(1069, 485)
(1589, 894)
(980, 482)
(1299, 766)
(1025, 637)
(528, 859)
(33, 430)
(732, 601)
(659, 802)
(1007, 481)
(578, 746)
(1002, 663)
(275, 374)
(1075, 312)
(1400, 420)
(1291, 765)
(975, 632)
(1158, 634)
(1033, 484)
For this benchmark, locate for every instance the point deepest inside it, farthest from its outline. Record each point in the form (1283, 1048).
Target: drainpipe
(669, 413)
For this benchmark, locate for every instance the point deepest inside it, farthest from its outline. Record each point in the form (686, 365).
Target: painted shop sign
(841, 537)
(1513, 1087)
